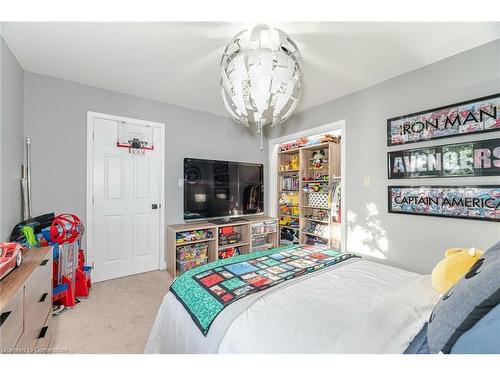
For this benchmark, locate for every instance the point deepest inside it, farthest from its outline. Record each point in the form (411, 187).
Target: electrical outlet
(367, 181)
(180, 182)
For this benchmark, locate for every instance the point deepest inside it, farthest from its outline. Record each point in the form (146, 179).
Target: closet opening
(306, 189)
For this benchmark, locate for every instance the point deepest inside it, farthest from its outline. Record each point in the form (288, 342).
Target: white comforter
(359, 307)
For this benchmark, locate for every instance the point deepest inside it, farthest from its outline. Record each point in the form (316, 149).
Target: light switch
(180, 182)
(367, 181)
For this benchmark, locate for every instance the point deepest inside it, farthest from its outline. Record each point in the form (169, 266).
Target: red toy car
(11, 257)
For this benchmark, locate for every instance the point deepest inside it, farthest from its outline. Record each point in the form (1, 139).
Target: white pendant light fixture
(260, 77)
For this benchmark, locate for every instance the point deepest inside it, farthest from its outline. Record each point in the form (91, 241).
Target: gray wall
(55, 118)
(11, 140)
(411, 242)
(56, 121)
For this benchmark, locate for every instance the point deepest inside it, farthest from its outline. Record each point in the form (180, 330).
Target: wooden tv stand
(247, 229)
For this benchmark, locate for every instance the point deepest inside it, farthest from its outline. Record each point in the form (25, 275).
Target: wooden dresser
(26, 304)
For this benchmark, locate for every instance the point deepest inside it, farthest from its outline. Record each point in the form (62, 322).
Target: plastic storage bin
(190, 252)
(259, 240)
(229, 239)
(193, 235)
(267, 226)
(183, 266)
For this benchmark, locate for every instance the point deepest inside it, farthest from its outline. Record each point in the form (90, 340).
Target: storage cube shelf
(186, 249)
(305, 178)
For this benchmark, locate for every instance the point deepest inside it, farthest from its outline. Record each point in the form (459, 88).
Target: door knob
(154, 206)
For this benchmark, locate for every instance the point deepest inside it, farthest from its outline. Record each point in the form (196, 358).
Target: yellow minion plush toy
(455, 264)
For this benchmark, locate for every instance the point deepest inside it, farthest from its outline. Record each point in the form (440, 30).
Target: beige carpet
(116, 318)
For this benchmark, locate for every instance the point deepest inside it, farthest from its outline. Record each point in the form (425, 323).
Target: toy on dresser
(11, 257)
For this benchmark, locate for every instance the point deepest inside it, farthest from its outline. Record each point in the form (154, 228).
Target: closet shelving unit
(309, 212)
(289, 194)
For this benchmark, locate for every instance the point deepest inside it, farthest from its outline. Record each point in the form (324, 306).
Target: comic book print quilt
(206, 290)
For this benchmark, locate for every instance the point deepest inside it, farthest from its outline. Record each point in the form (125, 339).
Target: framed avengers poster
(470, 117)
(480, 202)
(480, 158)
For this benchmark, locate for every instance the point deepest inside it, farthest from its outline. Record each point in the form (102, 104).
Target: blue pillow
(483, 338)
(466, 303)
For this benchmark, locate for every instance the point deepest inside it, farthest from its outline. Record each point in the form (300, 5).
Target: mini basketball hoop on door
(137, 138)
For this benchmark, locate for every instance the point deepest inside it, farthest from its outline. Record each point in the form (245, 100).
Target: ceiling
(178, 62)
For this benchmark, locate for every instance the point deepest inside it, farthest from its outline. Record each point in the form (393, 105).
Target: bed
(356, 306)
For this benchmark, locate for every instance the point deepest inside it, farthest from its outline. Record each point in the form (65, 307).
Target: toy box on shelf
(264, 235)
(233, 240)
(194, 235)
(192, 251)
(262, 242)
(192, 255)
(194, 246)
(264, 227)
(228, 236)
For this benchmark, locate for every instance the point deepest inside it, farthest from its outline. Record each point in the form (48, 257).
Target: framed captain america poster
(478, 202)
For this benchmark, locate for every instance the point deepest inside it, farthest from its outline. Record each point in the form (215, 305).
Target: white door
(126, 202)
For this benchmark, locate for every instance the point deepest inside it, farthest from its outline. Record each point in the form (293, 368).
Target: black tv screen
(220, 189)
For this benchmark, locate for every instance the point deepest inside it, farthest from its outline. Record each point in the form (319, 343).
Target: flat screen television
(215, 189)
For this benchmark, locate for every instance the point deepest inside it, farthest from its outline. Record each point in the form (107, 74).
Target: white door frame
(90, 181)
(272, 195)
